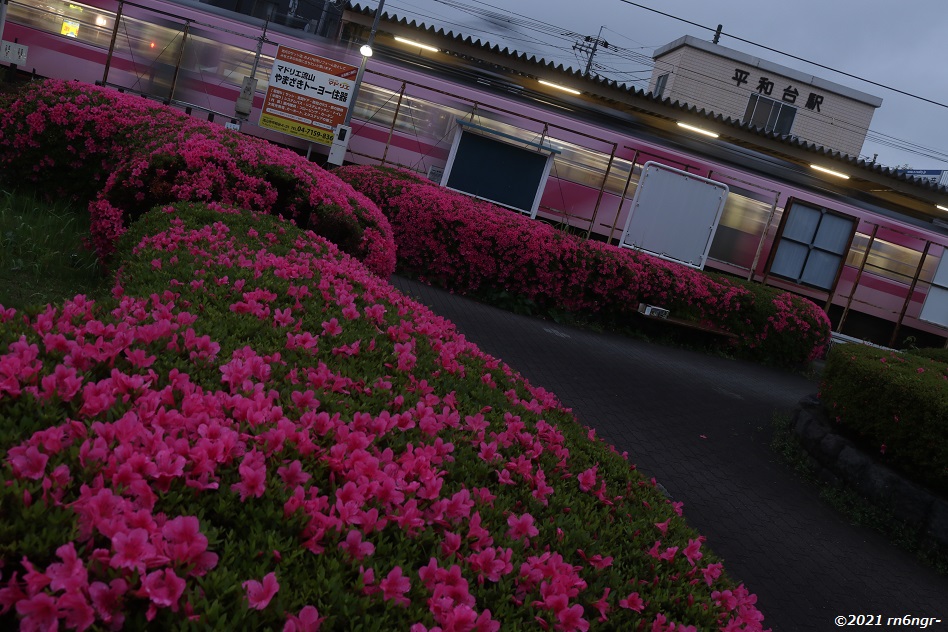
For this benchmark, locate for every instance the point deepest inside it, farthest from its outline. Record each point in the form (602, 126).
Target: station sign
(307, 96)
(935, 176)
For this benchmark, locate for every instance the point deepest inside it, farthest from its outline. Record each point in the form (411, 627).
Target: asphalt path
(701, 425)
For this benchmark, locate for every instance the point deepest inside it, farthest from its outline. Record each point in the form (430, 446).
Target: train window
(70, 19)
(888, 260)
(154, 51)
(588, 167)
(416, 118)
(811, 246)
(375, 105)
(746, 215)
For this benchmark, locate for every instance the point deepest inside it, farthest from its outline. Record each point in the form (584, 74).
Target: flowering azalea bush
(471, 246)
(128, 154)
(905, 421)
(259, 433)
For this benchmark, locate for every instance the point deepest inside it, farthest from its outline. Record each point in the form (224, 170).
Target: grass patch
(43, 256)
(849, 503)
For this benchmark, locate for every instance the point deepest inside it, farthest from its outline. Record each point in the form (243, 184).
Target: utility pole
(590, 46)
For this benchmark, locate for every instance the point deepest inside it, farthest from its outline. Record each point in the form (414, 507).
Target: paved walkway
(803, 560)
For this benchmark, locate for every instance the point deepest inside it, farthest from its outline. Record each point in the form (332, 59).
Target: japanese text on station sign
(308, 95)
(766, 87)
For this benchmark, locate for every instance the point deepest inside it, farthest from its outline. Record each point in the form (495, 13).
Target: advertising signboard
(307, 96)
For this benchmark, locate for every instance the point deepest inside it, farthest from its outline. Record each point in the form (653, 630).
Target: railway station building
(766, 95)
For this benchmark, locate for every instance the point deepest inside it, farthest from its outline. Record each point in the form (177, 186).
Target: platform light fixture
(697, 129)
(941, 208)
(559, 87)
(415, 44)
(830, 171)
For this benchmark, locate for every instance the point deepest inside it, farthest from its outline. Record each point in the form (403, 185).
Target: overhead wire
(792, 56)
(613, 54)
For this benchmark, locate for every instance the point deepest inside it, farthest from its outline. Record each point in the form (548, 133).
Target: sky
(897, 51)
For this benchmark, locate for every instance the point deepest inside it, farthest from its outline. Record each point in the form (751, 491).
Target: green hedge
(895, 405)
(477, 248)
(939, 355)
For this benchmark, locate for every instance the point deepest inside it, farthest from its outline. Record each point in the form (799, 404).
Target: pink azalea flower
(132, 549)
(186, 545)
(571, 618)
(368, 581)
(669, 553)
(259, 594)
(308, 620)
(603, 605)
(164, 588)
(11, 595)
(600, 562)
(75, 609)
(38, 613)
(71, 574)
(394, 587)
(355, 547)
(331, 327)
(107, 600)
(587, 479)
(711, 572)
(28, 462)
(692, 551)
(632, 602)
(450, 544)
(253, 476)
(521, 527)
(35, 580)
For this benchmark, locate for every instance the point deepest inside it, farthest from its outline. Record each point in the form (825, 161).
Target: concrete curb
(838, 461)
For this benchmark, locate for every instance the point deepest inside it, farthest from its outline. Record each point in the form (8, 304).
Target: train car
(873, 262)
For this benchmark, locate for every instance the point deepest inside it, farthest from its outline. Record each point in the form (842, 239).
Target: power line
(779, 52)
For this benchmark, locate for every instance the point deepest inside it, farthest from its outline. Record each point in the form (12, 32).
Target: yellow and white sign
(70, 28)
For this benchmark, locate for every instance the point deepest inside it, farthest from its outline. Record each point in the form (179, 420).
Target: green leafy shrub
(939, 355)
(895, 405)
(128, 154)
